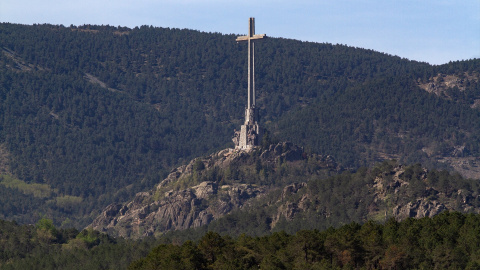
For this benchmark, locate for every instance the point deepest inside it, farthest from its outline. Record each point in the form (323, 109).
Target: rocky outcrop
(170, 207)
(393, 194)
(283, 151)
(442, 82)
(177, 210)
(418, 209)
(289, 152)
(221, 159)
(184, 199)
(287, 208)
(291, 189)
(393, 191)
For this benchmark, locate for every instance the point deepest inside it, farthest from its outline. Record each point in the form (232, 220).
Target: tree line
(447, 241)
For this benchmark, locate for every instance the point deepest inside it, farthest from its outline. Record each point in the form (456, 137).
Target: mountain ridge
(182, 95)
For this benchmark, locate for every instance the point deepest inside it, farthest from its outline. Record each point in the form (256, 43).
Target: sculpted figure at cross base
(250, 133)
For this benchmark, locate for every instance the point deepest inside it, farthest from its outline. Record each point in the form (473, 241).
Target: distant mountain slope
(99, 113)
(385, 118)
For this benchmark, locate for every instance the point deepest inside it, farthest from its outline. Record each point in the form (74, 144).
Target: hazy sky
(434, 31)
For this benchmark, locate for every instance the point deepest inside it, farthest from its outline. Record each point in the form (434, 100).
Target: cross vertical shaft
(251, 64)
(250, 38)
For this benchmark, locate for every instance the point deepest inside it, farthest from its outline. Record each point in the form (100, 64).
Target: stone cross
(250, 38)
(250, 134)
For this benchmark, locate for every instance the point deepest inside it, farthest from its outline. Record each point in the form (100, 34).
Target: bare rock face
(393, 190)
(288, 209)
(419, 209)
(285, 151)
(440, 83)
(178, 210)
(394, 194)
(292, 189)
(165, 208)
(186, 198)
(220, 159)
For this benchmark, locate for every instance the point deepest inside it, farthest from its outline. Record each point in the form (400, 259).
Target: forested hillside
(90, 115)
(447, 241)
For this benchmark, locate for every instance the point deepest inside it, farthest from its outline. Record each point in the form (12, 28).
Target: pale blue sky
(434, 31)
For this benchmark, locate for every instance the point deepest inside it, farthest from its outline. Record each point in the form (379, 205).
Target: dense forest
(90, 115)
(447, 241)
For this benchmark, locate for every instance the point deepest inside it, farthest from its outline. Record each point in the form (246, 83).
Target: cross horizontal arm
(254, 37)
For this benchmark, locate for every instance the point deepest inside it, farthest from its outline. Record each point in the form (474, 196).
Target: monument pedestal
(249, 136)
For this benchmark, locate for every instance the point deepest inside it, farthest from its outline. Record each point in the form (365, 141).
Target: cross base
(248, 137)
(250, 133)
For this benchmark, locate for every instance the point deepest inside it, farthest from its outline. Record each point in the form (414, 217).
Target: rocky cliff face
(389, 194)
(427, 200)
(418, 209)
(177, 210)
(230, 182)
(182, 200)
(442, 82)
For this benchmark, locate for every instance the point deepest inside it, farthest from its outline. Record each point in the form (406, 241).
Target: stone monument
(250, 134)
